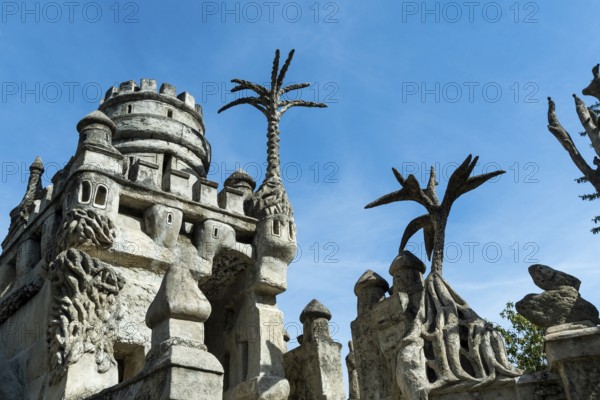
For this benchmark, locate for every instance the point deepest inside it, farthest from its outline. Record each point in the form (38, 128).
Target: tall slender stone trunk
(273, 163)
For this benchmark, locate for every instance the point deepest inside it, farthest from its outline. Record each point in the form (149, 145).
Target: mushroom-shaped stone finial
(240, 179)
(315, 319)
(370, 279)
(313, 310)
(406, 260)
(96, 117)
(407, 270)
(370, 289)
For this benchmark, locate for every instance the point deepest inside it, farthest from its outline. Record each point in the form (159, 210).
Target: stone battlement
(147, 89)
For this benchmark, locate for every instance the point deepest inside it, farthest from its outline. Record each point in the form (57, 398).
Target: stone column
(314, 369)
(573, 351)
(375, 378)
(256, 368)
(182, 367)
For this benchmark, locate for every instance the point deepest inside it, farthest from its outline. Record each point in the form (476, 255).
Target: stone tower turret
(161, 133)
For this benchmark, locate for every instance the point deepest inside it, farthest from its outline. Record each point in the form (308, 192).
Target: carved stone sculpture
(446, 344)
(87, 228)
(559, 304)
(271, 197)
(83, 319)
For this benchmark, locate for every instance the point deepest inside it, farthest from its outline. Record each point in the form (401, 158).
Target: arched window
(85, 192)
(101, 196)
(169, 218)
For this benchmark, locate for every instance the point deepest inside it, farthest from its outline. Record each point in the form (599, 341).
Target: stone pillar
(573, 351)
(314, 369)
(375, 378)
(256, 367)
(182, 366)
(407, 270)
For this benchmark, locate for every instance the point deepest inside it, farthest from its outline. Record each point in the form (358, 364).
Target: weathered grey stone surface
(573, 352)
(10, 388)
(431, 339)
(375, 375)
(314, 369)
(88, 253)
(353, 388)
(178, 366)
(548, 278)
(132, 233)
(559, 304)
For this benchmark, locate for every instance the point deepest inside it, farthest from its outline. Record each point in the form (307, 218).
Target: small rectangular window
(85, 192)
(216, 233)
(101, 196)
(129, 109)
(291, 225)
(170, 113)
(276, 228)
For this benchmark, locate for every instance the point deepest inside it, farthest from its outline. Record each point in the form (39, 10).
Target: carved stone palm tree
(446, 344)
(270, 197)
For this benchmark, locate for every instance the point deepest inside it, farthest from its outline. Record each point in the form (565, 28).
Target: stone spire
(20, 214)
(370, 289)
(314, 369)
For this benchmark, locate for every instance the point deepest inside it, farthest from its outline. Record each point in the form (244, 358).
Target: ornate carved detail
(85, 227)
(271, 198)
(16, 300)
(84, 313)
(446, 345)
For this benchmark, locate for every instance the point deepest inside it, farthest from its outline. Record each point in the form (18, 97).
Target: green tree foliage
(524, 341)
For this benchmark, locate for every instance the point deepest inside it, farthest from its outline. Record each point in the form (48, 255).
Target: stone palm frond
(271, 198)
(463, 350)
(268, 100)
(434, 223)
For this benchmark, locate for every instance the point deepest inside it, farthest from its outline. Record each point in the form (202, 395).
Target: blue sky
(408, 84)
